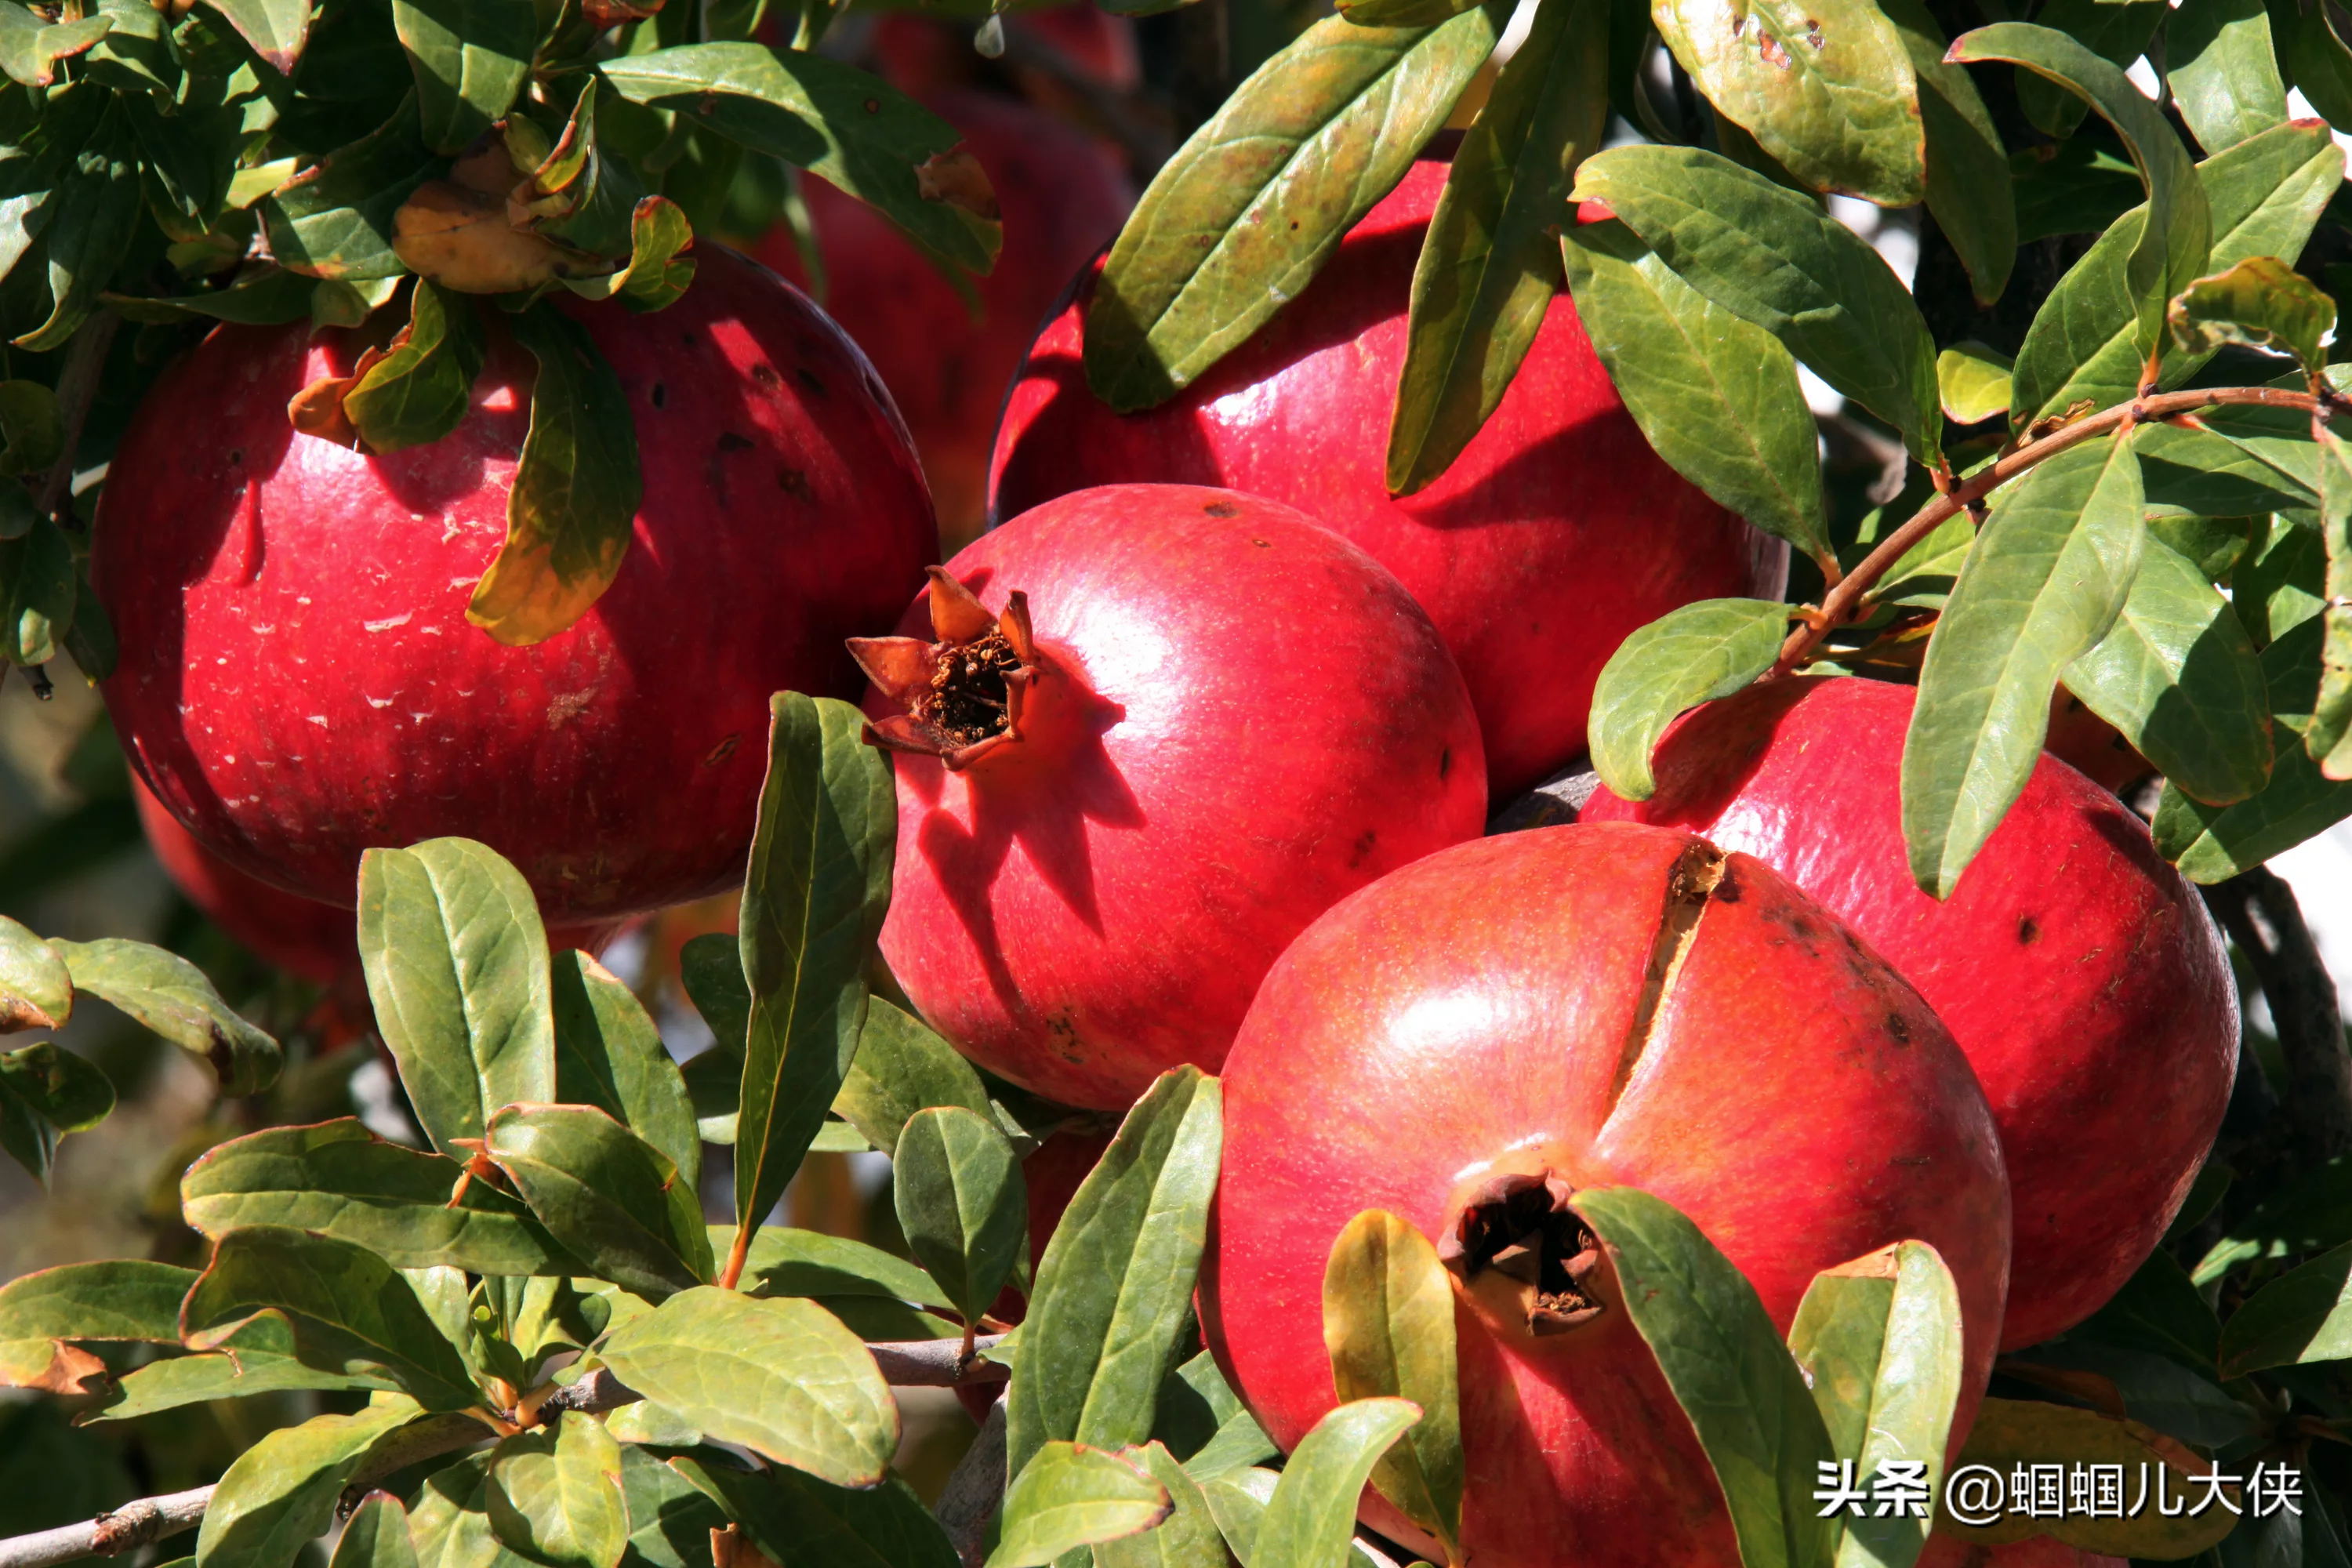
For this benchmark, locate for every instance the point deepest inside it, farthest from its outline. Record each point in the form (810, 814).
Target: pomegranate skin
(1250, 720)
(318, 942)
(1062, 199)
(1468, 1016)
(299, 681)
(2080, 973)
(1556, 534)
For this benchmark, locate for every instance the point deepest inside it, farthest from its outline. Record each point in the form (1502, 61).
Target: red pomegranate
(1556, 534)
(1063, 200)
(299, 681)
(2078, 971)
(1471, 1040)
(920, 55)
(1189, 722)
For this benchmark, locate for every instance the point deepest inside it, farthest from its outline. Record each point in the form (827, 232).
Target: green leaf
(350, 1313)
(32, 426)
(456, 967)
(801, 1523)
(1069, 1495)
(609, 1055)
(866, 139)
(671, 1521)
(1115, 1286)
(2009, 1432)
(1758, 1422)
(1489, 267)
(36, 991)
(41, 1313)
(2265, 194)
(1203, 1422)
(420, 391)
(1716, 397)
(1187, 1538)
(1878, 1341)
(37, 592)
(1778, 259)
(261, 1358)
(2173, 244)
(576, 489)
(1974, 381)
(813, 905)
(31, 46)
(2116, 31)
(340, 1180)
(787, 1262)
(2223, 71)
(2323, 65)
(275, 28)
(901, 1068)
(2044, 581)
(1245, 214)
(2261, 302)
(451, 1524)
(1310, 1521)
(2310, 1213)
(2160, 1310)
(609, 1197)
(1237, 1501)
(170, 995)
(961, 1203)
(89, 641)
(334, 219)
(2070, 188)
(375, 1536)
(1388, 1325)
(2328, 737)
(280, 1493)
(1828, 91)
(1685, 657)
(2180, 678)
(2214, 545)
(555, 1494)
(470, 58)
(658, 272)
(45, 1092)
(261, 296)
(1969, 192)
(781, 1377)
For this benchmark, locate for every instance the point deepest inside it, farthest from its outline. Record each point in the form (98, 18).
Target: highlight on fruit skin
(1144, 734)
(2081, 974)
(1470, 1041)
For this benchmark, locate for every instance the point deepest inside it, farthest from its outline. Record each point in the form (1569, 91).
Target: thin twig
(1843, 603)
(76, 386)
(2260, 912)
(939, 1363)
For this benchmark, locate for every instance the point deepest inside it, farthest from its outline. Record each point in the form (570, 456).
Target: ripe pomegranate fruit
(1190, 721)
(1556, 534)
(299, 681)
(1063, 200)
(1475, 1037)
(2078, 971)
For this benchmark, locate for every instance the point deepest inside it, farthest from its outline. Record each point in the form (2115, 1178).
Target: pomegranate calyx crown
(963, 696)
(1520, 1226)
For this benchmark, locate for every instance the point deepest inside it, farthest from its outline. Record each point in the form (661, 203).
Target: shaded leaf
(2117, 31)
(799, 1521)
(658, 270)
(2008, 1432)
(1070, 1496)
(470, 58)
(375, 1536)
(2328, 736)
(2160, 1310)
(961, 1203)
(1311, 1520)
(609, 1055)
(43, 1312)
(1968, 189)
(901, 1068)
(259, 1358)
(422, 386)
(31, 46)
(783, 1261)
(1187, 1538)
(2223, 71)
(1685, 657)
(280, 1493)
(45, 1092)
(1974, 381)
(609, 1197)
(670, 1522)
(1388, 1326)
(1245, 214)
(555, 1494)
(39, 592)
(451, 1523)
(335, 219)
(2304, 1316)
(170, 995)
(1237, 1501)
(275, 28)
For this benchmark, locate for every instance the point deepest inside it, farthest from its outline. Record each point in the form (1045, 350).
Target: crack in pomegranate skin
(1521, 1227)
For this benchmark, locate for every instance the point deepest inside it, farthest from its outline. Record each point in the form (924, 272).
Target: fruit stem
(735, 1257)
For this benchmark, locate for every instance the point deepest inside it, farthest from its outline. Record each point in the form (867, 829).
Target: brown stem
(1843, 603)
(76, 386)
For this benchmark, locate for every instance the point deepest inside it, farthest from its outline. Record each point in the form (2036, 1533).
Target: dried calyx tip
(962, 696)
(1522, 1227)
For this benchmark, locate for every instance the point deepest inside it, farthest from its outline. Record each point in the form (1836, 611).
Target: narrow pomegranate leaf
(2261, 302)
(609, 1055)
(417, 393)
(797, 1520)
(1068, 1496)
(1969, 190)
(2180, 678)
(1237, 1501)
(94, 217)
(275, 28)
(1489, 267)
(456, 959)
(1685, 657)
(2328, 739)
(31, 46)
(42, 1313)
(45, 1092)
(340, 1180)
(375, 1536)
(609, 1197)
(1187, 1538)
(670, 1521)
(1311, 1520)
(1245, 214)
(2010, 1431)
(2161, 1311)
(1733, 1377)
(1115, 1286)
(902, 1067)
(785, 1261)
(2222, 67)
(38, 593)
(2044, 582)
(280, 1495)
(261, 1358)
(2323, 63)
(576, 488)
(2304, 1316)
(1878, 1341)
(961, 1203)
(2172, 247)
(334, 219)
(813, 904)
(1388, 1326)
(170, 995)
(470, 58)
(1716, 396)
(555, 1494)
(658, 269)
(350, 1312)
(1778, 259)
(782, 1377)
(1828, 91)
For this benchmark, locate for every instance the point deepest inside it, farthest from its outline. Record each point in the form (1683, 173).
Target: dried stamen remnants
(1521, 1227)
(968, 699)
